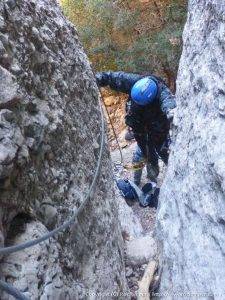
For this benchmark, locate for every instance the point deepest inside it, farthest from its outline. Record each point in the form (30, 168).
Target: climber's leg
(138, 159)
(152, 171)
(163, 150)
(153, 161)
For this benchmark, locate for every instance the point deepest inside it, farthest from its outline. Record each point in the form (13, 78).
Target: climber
(149, 111)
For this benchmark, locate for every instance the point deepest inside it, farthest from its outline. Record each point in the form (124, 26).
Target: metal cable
(11, 249)
(12, 291)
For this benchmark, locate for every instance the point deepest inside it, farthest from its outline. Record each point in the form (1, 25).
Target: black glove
(170, 114)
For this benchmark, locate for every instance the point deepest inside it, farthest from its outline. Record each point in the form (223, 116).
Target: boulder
(141, 250)
(129, 222)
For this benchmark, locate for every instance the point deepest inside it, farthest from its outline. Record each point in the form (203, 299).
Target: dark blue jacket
(149, 123)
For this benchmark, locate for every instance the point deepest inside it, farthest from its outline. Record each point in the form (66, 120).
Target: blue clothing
(147, 196)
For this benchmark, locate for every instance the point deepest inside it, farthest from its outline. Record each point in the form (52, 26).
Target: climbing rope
(7, 250)
(129, 167)
(114, 131)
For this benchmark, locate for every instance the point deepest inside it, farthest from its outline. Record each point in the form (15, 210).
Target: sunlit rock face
(50, 128)
(191, 217)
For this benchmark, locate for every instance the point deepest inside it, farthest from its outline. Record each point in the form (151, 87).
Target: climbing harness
(7, 250)
(136, 166)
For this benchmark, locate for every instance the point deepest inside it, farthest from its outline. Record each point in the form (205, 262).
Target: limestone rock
(11, 139)
(130, 224)
(141, 250)
(129, 272)
(49, 215)
(8, 86)
(191, 214)
(48, 151)
(36, 270)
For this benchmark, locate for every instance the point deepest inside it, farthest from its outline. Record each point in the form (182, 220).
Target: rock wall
(191, 215)
(49, 146)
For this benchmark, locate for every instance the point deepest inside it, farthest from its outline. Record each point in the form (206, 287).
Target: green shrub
(108, 30)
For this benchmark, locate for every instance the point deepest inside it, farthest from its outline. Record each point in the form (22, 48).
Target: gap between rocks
(137, 223)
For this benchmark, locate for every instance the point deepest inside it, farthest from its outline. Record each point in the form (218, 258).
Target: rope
(7, 250)
(114, 131)
(129, 167)
(134, 166)
(12, 291)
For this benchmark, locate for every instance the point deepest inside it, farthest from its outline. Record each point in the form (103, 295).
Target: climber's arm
(167, 100)
(118, 81)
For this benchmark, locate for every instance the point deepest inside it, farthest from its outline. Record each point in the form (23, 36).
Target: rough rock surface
(191, 215)
(49, 145)
(28, 270)
(130, 224)
(141, 250)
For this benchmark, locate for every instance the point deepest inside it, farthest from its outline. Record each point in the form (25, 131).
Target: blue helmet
(144, 91)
